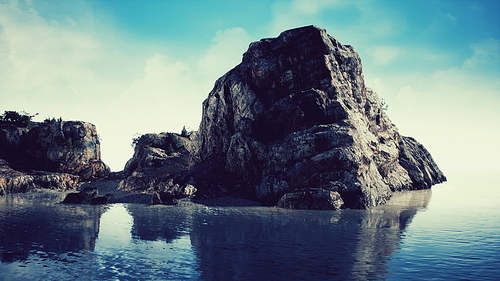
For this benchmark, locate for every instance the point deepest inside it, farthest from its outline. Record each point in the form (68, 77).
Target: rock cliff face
(67, 152)
(158, 166)
(12, 181)
(292, 125)
(296, 115)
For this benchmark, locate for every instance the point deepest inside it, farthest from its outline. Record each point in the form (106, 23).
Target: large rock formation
(295, 115)
(293, 124)
(64, 151)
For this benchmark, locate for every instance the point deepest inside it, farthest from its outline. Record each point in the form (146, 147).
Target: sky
(135, 67)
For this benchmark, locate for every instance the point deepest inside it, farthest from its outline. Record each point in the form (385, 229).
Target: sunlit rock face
(296, 114)
(158, 167)
(12, 181)
(63, 147)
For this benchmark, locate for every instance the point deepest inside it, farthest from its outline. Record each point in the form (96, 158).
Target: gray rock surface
(296, 114)
(292, 125)
(12, 181)
(158, 168)
(55, 149)
(311, 199)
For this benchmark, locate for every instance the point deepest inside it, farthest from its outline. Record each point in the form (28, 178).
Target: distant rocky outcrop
(64, 151)
(159, 167)
(294, 122)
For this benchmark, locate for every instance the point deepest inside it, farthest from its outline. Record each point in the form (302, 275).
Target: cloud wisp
(78, 64)
(71, 69)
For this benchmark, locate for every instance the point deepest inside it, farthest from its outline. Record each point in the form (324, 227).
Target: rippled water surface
(449, 233)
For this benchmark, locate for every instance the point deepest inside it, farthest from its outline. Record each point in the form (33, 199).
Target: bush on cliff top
(170, 142)
(21, 119)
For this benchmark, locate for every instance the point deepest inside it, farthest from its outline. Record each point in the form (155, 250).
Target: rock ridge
(295, 118)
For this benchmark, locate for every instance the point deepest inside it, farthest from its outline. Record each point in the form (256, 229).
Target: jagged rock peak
(295, 114)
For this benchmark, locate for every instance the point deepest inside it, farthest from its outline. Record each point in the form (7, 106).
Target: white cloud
(360, 21)
(453, 112)
(162, 76)
(308, 7)
(452, 19)
(226, 52)
(385, 54)
(40, 57)
(67, 67)
(292, 14)
(485, 54)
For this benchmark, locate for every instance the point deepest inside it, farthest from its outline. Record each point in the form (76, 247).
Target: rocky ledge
(293, 122)
(52, 154)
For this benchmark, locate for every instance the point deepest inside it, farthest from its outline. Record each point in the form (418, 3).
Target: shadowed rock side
(56, 149)
(295, 114)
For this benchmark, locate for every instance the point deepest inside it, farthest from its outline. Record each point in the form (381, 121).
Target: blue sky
(133, 67)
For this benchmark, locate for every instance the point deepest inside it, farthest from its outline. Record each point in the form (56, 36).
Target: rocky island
(293, 125)
(53, 154)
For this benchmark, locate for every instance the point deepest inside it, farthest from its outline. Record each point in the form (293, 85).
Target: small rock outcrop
(311, 199)
(159, 167)
(292, 125)
(86, 195)
(102, 199)
(54, 147)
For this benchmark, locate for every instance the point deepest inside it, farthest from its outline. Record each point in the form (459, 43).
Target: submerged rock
(311, 199)
(293, 124)
(86, 195)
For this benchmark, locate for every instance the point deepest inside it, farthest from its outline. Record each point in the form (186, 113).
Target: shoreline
(120, 196)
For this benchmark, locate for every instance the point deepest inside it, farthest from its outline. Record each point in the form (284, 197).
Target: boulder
(102, 199)
(86, 195)
(311, 199)
(170, 195)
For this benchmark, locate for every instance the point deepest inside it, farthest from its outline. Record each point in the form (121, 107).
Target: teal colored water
(449, 233)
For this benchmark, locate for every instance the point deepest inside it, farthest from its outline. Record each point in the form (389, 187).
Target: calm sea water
(449, 233)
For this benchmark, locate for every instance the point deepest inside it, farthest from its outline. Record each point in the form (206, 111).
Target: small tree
(184, 132)
(383, 104)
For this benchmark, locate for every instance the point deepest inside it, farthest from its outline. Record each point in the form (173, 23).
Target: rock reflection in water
(159, 222)
(194, 242)
(308, 245)
(33, 224)
(251, 243)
